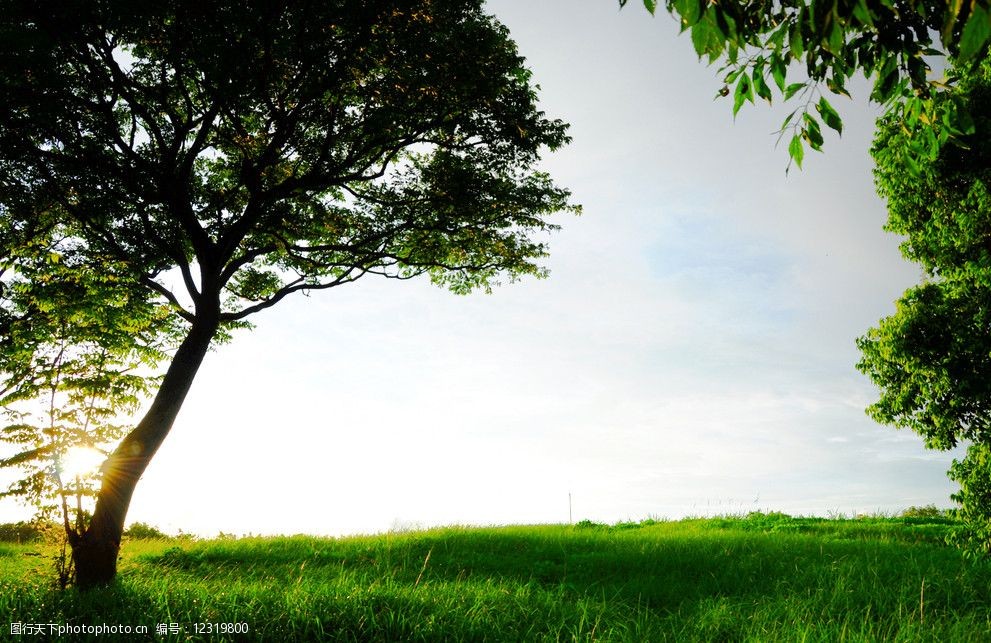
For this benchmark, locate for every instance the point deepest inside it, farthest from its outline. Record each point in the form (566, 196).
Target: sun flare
(81, 462)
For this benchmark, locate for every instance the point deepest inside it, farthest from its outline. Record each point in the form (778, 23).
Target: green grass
(762, 578)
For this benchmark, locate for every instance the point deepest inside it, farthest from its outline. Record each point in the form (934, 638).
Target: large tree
(760, 42)
(932, 358)
(222, 156)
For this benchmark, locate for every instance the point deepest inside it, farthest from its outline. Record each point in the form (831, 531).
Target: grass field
(760, 578)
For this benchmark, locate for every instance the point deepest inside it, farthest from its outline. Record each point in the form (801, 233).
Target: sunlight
(81, 462)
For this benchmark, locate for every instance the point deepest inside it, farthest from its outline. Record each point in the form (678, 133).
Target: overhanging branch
(346, 277)
(170, 296)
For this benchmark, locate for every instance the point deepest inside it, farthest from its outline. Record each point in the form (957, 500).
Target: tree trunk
(94, 553)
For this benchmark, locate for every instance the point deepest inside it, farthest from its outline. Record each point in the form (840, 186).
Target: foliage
(927, 511)
(973, 472)
(20, 532)
(144, 531)
(694, 580)
(891, 42)
(589, 524)
(932, 359)
(341, 152)
(78, 349)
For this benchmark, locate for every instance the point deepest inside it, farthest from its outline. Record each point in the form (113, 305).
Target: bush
(588, 524)
(21, 532)
(769, 518)
(144, 531)
(928, 511)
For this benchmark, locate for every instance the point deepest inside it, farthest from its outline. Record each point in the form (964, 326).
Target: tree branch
(170, 296)
(121, 83)
(346, 277)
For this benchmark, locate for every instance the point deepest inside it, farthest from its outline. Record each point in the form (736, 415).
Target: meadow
(762, 577)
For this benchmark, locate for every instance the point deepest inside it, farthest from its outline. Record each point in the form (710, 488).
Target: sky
(692, 352)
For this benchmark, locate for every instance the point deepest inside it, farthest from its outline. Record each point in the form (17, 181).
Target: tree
(249, 151)
(69, 369)
(932, 358)
(889, 41)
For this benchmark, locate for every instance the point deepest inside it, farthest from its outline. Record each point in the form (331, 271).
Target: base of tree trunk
(95, 562)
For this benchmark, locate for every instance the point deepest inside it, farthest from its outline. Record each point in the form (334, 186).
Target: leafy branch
(888, 41)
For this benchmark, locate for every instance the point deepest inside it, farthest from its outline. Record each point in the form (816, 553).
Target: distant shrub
(20, 532)
(588, 524)
(766, 518)
(928, 511)
(144, 531)
(647, 522)
(627, 525)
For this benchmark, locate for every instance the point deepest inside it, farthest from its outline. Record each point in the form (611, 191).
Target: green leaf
(760, 85)
(964, 121)
(744, 91)
(835, 85)
(776, 40)
(796, 44)
(911, 164)
(732, 51)
(887, 80)
(931, 142)
(651, 5)
(953, 11)
(796, 151)
(812, 132)
(724, 22)
(778, 70)
(975, 33)
(788, 118)
(715, 38)
(695, 10)
(957, 120)
(701, 37)
(862, 13)
(829, 115)
(690, 12)
(917, 71)
(793, 89)
(911, 111)
(836, 38)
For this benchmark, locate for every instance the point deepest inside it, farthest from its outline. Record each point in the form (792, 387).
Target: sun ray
(81, 462)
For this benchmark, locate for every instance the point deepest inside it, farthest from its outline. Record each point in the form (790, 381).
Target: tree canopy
(891, 42)
(218, 157)
(296, 154)
(932, 358)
